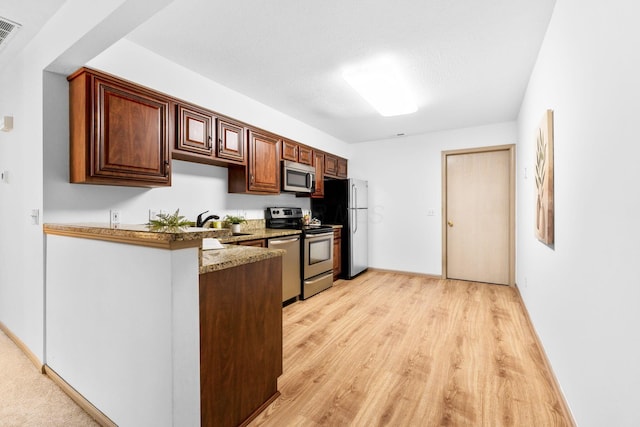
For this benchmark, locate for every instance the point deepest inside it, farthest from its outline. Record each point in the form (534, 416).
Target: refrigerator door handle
(354, 193)
(355, 221)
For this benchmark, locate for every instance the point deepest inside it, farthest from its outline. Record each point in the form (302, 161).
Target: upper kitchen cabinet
(319, 165)
(262, 172)
(330, 165)
(119, 132)
(231, 146)
(342, 168)
(204, 137)
(195, 131)
(296, 152)
(334, 166)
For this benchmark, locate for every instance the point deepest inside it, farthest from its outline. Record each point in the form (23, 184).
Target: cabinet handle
(209, 143)
(166, 168)
(252, 178)
(220, 142)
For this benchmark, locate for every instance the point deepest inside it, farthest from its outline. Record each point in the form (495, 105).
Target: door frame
(511, 148)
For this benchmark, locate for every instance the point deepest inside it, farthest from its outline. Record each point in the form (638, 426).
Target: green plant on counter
(230, 219)
(169, 222)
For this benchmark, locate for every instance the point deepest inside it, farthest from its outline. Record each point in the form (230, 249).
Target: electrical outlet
(153, 213)
(431, 212)
(114, 218)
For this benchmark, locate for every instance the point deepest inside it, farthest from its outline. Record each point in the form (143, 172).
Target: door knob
(450, 224)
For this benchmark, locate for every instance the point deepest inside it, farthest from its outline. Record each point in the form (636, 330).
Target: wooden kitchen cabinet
(319, 165)
(262, 172)
(240, 341)
(305, 155)
(195, 130)
(206, 138)
(260, 243)
(330, 165)
(296, 152)
(289, 150)
(337, 252)
(231, 145)
(120, 132)
(342, 168)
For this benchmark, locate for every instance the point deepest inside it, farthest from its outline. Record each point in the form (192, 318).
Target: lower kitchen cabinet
(337, 252)
(260, 243)
(240, 341)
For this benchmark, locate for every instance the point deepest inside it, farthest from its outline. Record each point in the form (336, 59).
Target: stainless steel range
(316, 254)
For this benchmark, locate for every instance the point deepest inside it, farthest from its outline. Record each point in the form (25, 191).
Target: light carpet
(29, 398)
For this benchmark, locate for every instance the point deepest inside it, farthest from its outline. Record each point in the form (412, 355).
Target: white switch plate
(35, 216)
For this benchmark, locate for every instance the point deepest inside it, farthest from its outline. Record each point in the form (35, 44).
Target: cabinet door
(330, 165)
(119, 132)
(264, 162)
(195, 129)
(230, 141)
(337, 252)
(305, 155)
(289, 150)
(342, 167)
(319, 165)
(260, 243)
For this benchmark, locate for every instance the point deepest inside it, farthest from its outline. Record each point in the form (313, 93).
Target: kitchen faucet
(200, 222)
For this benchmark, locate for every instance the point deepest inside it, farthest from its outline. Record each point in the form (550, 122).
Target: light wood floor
(400, 350)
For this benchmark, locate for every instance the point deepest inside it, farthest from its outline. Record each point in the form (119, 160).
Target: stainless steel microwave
(297, 177)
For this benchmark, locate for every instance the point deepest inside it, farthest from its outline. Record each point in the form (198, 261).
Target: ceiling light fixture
(381, 85)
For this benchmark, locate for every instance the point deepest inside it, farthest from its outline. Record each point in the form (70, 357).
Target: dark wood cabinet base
(240, 341)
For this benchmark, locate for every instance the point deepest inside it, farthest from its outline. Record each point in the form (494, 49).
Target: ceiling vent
(7, 30)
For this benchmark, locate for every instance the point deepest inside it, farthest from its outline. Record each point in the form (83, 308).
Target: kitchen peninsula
(151, 330)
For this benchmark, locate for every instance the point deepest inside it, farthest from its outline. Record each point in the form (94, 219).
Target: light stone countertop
(260, 233)
(210, 260)
(234, 255)
(137, 234)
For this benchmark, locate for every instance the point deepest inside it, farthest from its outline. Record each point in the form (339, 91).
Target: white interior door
(478, 221)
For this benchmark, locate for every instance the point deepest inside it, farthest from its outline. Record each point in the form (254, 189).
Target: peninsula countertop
(190, 237)
(138, 234)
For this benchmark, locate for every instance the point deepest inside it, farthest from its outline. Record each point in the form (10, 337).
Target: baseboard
(22, 346)
(555, 384)
(88, 407)
(407, 273)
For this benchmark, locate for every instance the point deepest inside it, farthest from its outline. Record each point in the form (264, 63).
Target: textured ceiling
(468, 61)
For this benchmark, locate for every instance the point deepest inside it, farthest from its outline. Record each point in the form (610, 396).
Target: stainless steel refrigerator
(346, 202)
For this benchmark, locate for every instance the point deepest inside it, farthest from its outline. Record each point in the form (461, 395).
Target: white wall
(583, 295)
(405, 182)
(21, 243)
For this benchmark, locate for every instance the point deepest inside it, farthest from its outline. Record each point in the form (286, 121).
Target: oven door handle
(318, 236)
(279, 241)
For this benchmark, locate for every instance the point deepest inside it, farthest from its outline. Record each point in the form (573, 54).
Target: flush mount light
(381, 84)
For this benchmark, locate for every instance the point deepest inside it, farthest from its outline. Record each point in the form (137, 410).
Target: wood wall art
(544, 180)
